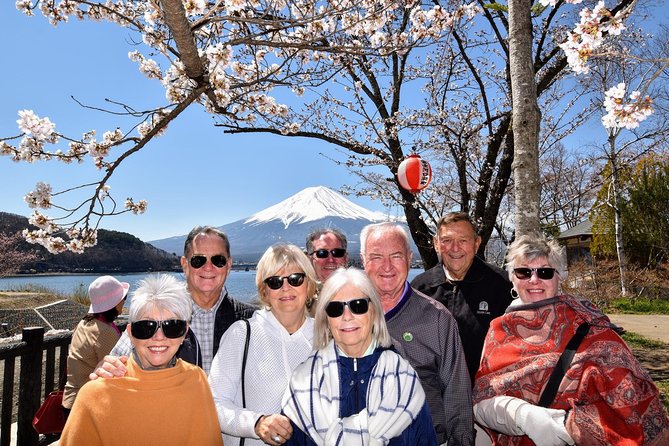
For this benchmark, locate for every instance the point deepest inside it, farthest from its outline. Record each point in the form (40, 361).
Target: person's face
(457, 244)
(351, 332)
(159, 349)
(387, 263)
(205, 283)
(325, 267)
(288, 299)
(535, 289)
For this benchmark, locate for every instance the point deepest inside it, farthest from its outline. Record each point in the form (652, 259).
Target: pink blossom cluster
(589, 35)
(625, 115)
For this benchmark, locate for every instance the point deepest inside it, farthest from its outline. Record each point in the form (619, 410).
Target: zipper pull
(355, 364)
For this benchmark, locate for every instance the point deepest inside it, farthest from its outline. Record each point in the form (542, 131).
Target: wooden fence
(38, 364)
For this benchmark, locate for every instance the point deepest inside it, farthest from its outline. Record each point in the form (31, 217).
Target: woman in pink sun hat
(95, 335)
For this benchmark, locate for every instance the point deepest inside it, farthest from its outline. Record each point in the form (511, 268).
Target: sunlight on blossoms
(40, 197)
(625, 115)
(588, 35)
(30, 124)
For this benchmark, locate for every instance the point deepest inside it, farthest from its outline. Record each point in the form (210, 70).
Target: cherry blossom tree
(376, 79)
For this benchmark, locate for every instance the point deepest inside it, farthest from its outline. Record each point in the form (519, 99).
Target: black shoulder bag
(548, 395)
(246, 354)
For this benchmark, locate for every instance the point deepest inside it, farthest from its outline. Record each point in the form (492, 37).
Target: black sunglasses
(276, 282)
(335, 308)
(526, 273)
(337, 253)
(219, 261)
(145, 329)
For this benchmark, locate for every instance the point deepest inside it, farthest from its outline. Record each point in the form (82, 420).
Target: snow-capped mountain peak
(311, 204)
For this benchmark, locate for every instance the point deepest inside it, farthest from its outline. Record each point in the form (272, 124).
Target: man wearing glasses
(327, 250)
(475, 292)
(424, 332)
(206, 264)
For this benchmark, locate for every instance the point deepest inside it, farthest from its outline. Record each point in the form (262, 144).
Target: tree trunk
(617, 221)
(526, 118)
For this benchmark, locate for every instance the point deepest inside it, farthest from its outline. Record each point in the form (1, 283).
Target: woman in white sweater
(281, 339)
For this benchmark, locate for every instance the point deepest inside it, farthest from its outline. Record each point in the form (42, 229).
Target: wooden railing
(38, 364)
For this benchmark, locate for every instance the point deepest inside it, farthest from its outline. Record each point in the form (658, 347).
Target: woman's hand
(274, 429)
(110, 367)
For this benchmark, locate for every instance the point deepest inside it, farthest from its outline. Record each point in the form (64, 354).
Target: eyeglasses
(526, 273)
(357, 306)
(219, 261)
(145, 329)
(276, 282)
(336, 253)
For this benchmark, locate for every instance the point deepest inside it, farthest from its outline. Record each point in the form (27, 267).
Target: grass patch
(636, 340)
(663, 386)
(639, 306)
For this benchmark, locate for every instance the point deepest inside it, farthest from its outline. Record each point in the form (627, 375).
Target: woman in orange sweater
(162, 400)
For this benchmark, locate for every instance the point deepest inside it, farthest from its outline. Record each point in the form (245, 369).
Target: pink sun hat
(105, 293)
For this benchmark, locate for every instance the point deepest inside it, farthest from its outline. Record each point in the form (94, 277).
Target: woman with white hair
(554, 370)
(248, 397)
(161, 399)
(355, 389)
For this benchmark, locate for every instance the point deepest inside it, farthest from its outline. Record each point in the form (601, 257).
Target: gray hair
(161, 291)
(205, 230)
(317, 233)
(337, 281)
(533, 246)
(278, 257)
(385, 227)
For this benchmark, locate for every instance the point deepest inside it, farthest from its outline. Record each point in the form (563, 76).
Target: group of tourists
(335, 355)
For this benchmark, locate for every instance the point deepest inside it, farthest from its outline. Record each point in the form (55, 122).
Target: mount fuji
(290, 221)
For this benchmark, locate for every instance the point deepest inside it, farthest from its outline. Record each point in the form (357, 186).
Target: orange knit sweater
(170, 406)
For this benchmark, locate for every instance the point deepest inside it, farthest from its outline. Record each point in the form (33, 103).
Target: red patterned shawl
(610, 399)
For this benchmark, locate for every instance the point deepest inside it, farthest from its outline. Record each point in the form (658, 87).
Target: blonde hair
(278, 257)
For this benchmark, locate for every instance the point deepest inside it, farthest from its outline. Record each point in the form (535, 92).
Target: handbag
(246, 354)
(49, 418)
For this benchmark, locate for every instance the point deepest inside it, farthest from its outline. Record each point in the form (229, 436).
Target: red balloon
(414, 173)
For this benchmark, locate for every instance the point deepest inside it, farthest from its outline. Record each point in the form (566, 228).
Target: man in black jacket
(474, 291)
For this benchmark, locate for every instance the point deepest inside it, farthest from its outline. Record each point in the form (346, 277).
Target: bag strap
(246, 354)
(561, 367)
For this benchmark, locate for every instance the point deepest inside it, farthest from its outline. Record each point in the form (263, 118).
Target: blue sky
(194, 174)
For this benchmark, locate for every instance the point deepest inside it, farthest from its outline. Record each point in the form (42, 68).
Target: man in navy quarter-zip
(423, 330)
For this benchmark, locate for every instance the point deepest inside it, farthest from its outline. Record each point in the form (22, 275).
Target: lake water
(240, 284)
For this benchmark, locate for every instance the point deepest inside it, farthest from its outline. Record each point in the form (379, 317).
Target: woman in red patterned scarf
(603, 398)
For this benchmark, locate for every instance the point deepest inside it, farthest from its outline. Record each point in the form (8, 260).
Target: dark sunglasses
(337, 253)
(276, 282)
(357, 306)
(219, 261)
(526, 273)
(145, 329)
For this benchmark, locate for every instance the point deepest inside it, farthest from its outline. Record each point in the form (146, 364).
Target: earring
(514, 293)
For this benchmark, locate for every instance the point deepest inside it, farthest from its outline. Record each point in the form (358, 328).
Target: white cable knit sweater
(273, 355)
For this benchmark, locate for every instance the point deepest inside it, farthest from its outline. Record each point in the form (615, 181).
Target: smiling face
(457, 244)
(206, 283)
(325, 267)
(351, 332)
(159, 350)
(287, 300)
(535, 289)
(387, 263)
